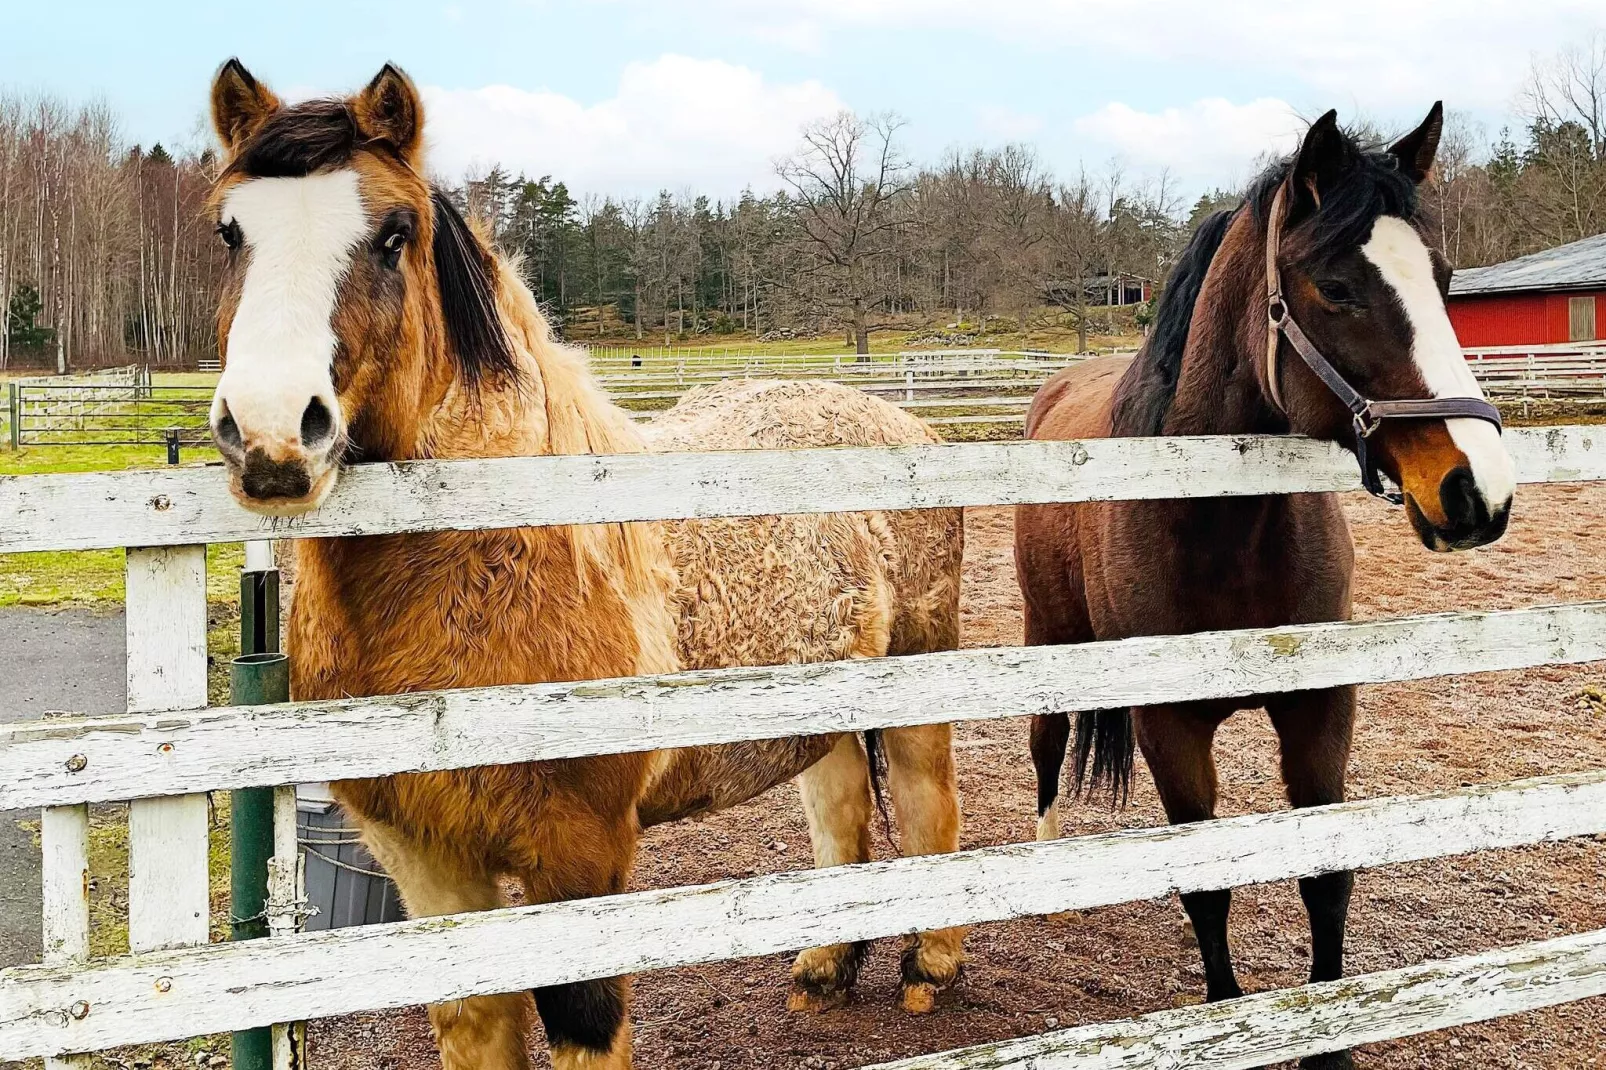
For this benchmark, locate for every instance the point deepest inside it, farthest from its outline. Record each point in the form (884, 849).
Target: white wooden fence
(989, 386)
(166, 751)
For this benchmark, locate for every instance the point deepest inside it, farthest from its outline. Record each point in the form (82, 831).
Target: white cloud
(1379, 53)
(1210, 140)
(672, 122)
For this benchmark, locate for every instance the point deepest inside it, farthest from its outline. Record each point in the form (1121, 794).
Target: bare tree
(845, 183)
(1570, 87)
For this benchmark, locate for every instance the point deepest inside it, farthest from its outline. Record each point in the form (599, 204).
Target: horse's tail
(1105, 742)
(877, 756)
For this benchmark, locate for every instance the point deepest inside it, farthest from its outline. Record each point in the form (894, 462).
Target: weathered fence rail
(167, 751)
(165, 507)
(173, 994)
(1271, 1027)
(124, 756)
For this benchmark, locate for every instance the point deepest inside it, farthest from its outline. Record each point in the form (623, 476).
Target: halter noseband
(1367, 416)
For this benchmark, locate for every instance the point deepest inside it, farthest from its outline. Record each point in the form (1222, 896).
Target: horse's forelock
(300, 140)
(1372, 185)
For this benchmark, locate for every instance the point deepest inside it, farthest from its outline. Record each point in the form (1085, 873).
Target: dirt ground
(1036, 974)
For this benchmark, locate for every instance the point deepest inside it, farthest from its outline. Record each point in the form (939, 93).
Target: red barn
(1551, 297)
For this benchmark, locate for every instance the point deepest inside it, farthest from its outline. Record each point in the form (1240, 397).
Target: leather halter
(1367, 416)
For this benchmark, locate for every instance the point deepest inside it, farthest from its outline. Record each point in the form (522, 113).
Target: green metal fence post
(260, 674)
(16, 416)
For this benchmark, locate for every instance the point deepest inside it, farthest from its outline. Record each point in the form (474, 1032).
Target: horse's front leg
(1314, 729)
(480, 1032)
(578, 851)
(925, 793)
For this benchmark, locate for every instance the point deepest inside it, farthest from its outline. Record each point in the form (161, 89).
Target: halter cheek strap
(1366, 415)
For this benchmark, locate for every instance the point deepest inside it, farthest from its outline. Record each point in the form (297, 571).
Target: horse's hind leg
(925, 793)
(1056, 613)
(1176, 742)
(1051, 732)
(480, 1032)
(1314, 729)
(836, 801)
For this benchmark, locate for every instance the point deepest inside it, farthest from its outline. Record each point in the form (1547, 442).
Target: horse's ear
(1416, 150)
(1324, 156)
(390, 110)
(240, 105)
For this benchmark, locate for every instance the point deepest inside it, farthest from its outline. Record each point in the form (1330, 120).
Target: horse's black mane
(1144, 394)
(321, 134)
(1372, 184)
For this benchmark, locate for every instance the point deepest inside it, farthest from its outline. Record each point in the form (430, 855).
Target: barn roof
(1578, 265)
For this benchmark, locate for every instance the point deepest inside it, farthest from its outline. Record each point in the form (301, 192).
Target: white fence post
(168, 901)
(64, 836)
(286, 899)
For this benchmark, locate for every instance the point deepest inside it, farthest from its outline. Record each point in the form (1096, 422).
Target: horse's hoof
(808, 999)
(928, 967)
(1332, 1060)
(918, 998)
(823, 977)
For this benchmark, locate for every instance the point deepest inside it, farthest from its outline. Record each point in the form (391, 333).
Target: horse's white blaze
(300, 233)
(1397, 251)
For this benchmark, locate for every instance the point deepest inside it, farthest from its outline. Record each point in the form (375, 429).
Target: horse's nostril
(317, 425)
(228, 432)
(1463, 505)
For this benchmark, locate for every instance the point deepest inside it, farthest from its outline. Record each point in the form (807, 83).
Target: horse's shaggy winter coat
(435, 349)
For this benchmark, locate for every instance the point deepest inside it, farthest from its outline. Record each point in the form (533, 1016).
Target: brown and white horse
(362, 318)
(1358, 275)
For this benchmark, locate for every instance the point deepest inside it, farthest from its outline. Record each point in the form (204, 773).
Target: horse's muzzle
(279, 474)
(1470, 519)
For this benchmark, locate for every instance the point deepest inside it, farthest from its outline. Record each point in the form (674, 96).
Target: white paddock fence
(168, 750)
(989, 386)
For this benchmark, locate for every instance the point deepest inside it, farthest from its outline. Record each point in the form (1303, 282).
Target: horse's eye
(391, 248)
(1336, 292)
(230, 233)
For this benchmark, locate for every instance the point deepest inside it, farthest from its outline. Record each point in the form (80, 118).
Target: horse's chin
(1440, 542)
(286, 507)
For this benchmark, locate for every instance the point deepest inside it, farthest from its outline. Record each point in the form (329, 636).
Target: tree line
(105, 251)
(106, 254)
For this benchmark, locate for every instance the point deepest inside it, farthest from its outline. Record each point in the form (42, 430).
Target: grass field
(58, 577)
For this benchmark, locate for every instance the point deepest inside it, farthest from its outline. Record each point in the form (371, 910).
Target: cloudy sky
(630, 96)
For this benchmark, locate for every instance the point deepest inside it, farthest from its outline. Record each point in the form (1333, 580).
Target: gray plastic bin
(345, 886)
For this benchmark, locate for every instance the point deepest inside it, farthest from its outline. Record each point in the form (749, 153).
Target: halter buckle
(1366, 423)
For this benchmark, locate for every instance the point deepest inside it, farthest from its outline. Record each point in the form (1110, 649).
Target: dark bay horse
(1350, 308)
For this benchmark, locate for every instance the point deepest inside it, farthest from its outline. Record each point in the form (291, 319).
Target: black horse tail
(1104, 748)
(877, 756)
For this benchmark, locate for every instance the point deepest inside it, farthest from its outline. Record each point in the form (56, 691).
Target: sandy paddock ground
(1035, 974)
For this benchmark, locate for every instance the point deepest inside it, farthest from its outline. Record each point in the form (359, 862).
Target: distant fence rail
(1548, 372)
(77, 414)
(991, 386)
(944, 387)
